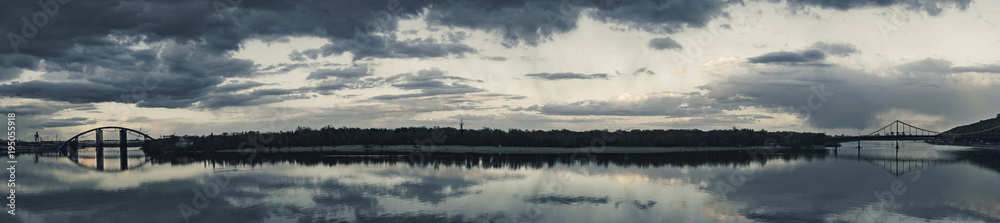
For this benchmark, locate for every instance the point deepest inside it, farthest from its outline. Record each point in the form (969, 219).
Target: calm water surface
(920, 183)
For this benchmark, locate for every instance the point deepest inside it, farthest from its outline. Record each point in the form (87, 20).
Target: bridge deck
(883, 138)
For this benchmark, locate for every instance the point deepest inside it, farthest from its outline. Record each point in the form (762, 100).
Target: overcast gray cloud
(190, 55)
(815, 55)
(429, 83)
(789, 57)
(40, 115)
(711, 121)
(853, 98)
(93, 34)
(352, 72)
(664, 43)
(66, 122)
(934, 7)
(256, 97)
(175, 76)
(669, 105)
(994, 68)
(836, 49)
(566, 76)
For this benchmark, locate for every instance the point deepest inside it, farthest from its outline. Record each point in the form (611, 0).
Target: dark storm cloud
(837, 49)
(529, 108)
(256, 97)
(516, 22)
(429, 47)
(684, 105)
(362, 27)
(410, 48)
(174, 77)
(931, 7)
(19, 61)
(352, 72)
(566, 76)
(114, 47)
(664, 43)
(45, 108)
(329, 86)
(533, 22)
(9, 73)
(11, 66)
(495, 58)
(660, 16)
(68, 122)
(73, 92)
(432, 83)
(430, 89)
(711, 121)
(566, 200)
(995, 68)
(813, 56)
(639, 71)
(838, 97)
(789, 57)
(39, 115)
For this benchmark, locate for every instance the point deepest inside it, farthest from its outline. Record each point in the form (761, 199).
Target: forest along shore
(404, 149)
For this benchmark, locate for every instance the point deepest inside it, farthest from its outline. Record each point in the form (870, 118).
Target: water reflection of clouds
(813, 191)
(791, 189)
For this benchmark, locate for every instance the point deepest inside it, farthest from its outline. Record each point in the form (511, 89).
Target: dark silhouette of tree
(372, 137)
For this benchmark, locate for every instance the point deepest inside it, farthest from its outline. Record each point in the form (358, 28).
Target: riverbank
(404, 149)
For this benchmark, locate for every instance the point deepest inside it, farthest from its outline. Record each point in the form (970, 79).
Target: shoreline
(409, 149)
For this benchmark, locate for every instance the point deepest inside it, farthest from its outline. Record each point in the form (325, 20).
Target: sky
(200, 67)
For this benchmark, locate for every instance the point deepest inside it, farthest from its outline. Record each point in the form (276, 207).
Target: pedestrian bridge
(902, 131)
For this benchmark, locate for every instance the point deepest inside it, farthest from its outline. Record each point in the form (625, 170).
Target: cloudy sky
(196, 67)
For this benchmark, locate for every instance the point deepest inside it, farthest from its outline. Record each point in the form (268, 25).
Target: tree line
(330, 136)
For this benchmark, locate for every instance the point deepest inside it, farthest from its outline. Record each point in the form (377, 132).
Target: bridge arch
(72, 145)
(111, 127)
(75, 137)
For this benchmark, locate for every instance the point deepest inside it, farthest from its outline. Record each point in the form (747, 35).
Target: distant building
(998, 116)
(183, 142)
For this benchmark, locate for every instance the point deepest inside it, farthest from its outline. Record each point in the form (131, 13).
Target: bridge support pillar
(99, 144)
(100, 159)
(72, 148)
(123, 149)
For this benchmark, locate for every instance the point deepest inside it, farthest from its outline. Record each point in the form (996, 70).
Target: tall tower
(461, 124)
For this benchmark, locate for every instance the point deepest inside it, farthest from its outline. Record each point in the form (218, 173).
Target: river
(920, 182)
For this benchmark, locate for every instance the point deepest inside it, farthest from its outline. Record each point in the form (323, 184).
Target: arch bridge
(74, 144)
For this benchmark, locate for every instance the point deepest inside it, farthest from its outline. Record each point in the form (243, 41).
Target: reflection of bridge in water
(111, 156)
(902, 166)
(72, 147)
